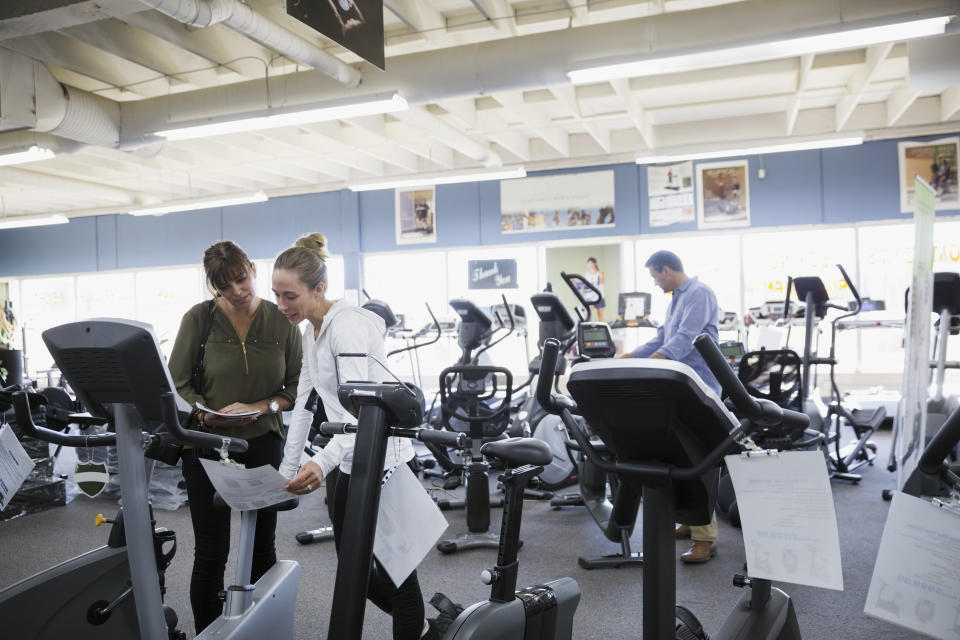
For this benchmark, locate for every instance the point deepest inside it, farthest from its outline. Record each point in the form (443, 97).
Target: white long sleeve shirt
(346, 328)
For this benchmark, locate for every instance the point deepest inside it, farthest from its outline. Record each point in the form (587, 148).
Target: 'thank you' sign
(492, 274)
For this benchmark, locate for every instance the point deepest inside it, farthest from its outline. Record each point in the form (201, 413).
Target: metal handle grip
(168, 407)
(21, 409)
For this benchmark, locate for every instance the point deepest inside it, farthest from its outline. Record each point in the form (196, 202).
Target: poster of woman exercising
(723, 195)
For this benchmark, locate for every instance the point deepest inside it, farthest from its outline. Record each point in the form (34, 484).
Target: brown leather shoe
(700, 551)
(683, 532)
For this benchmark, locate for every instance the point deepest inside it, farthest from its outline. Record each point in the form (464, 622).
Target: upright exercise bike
(383, 410)
(118, 372)
(667, 432)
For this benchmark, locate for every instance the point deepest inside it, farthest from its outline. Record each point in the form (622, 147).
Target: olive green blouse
(264, 365)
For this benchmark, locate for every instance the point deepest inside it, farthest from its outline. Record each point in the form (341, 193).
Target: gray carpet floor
(611, 602)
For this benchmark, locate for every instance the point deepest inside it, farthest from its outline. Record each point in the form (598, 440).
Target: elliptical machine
(842, 460)
(667, 432)
(471, 403)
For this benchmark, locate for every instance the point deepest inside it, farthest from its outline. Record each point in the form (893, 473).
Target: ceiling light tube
(786, 48)
(443, 177)
(702, 153)
(200, 203)
(33, 221)
(353, 108)
(32, 154)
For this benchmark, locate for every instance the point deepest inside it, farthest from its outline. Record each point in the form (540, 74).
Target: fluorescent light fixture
(353, 108)
(442, 177)
(33, 221)
(704, 153)
(200, 203)
(32, 154)
(755, 52)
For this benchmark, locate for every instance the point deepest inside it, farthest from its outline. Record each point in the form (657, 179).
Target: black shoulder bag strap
(196, 376)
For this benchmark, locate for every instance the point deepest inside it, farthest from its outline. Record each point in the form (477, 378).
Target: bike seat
(519, 451)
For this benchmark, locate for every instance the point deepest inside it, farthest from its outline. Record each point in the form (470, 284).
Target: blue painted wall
(829, 186)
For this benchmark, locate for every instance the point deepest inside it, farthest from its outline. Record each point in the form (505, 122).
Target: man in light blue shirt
(693, 310)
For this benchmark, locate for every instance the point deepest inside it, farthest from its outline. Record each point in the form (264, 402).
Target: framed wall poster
(723, 195)
(416, 215)
(935, 162)
(670, 193)
(557, 202)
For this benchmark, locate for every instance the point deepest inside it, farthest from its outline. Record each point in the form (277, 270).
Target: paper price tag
(15, 465)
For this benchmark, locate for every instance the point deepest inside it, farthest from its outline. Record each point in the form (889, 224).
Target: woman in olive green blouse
(251, 363)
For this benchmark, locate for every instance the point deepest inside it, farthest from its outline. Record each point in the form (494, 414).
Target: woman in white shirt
(334, 327)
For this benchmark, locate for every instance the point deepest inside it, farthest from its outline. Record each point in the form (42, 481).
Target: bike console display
(595, 340)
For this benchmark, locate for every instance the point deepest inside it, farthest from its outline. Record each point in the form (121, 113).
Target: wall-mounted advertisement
(723, 197)
(355, 24)
(492, 274)
(557, 202)
(416, 216)
(670, 191)
(935, 162)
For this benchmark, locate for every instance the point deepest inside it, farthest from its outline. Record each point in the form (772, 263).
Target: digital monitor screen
(634, 305)
(732, 349)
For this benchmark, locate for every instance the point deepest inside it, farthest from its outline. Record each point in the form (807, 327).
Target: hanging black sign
(354, 24)
(492, 274)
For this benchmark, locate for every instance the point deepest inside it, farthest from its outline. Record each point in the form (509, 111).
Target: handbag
(196, 374)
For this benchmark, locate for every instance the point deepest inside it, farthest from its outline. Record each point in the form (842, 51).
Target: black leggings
(211, 529)
(404, 603)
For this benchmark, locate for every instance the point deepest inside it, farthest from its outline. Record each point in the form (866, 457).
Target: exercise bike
(118, 372)
(384, 410)
(667, 432)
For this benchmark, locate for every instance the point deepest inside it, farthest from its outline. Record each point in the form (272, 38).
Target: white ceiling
(485, 80)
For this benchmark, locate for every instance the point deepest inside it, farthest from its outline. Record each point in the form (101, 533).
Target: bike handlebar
(168, 407)
(21, 409)
(423, 434)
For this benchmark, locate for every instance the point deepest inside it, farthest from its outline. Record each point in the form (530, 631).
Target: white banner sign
(557, 202)
(911, 420)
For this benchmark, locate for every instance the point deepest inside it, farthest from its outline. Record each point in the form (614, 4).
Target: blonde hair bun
(315, 242)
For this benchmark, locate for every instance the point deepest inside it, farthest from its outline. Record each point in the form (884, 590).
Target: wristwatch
(273, 405)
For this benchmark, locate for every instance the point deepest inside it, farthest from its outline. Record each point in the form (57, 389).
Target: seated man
(692, 311)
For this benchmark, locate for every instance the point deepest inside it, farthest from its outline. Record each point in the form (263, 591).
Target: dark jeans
(404, 603)
(211, 529)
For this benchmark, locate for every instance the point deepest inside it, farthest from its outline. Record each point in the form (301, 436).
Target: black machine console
(595, 340)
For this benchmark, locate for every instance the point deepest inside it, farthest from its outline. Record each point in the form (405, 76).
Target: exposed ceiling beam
(498, 12)
(640, 120)
(537, 121)
(949, 103)
(898, 103)
(421, 16)
(859, 82)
